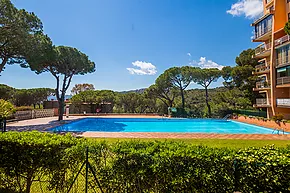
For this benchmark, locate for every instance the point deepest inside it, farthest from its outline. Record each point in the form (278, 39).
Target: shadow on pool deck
(37, 127)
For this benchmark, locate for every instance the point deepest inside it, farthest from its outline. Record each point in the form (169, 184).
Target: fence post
(87, 170)
(4, 124)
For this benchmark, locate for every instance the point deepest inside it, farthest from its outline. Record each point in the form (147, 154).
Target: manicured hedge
(132, 166)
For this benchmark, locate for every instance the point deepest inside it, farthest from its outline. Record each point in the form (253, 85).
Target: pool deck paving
(42, 124)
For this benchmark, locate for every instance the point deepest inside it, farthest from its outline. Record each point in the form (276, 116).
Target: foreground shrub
(26, 156)
(132, 166)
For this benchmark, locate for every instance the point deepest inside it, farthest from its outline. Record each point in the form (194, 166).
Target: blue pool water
(161, 125)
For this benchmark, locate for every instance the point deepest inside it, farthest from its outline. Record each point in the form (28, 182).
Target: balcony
(281, 62)
(283, 81)
(282, 40)
(262, 102)
(262, 68)
(263, 35)
(262, 85)
(283, 102)
(263, 50)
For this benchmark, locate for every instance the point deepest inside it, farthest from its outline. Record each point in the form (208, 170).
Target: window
(289, 15)
(283, 72)
(283, 55)
(263, 26)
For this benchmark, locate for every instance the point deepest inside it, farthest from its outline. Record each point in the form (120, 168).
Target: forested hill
(140, 91)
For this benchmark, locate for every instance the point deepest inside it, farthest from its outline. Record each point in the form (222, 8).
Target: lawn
(219, 143)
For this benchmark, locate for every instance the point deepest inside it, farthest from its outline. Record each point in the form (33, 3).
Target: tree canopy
(63, 63)
(205, 77)
(20, 32)
(179, 77)
(82, 87)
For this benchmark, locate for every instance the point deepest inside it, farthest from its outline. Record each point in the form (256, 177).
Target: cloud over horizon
(143, 68)
(251, 9)
(204, 63)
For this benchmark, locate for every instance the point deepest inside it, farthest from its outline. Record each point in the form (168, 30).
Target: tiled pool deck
(43, 124)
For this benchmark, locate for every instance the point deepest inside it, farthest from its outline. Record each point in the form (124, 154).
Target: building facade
(274, 58)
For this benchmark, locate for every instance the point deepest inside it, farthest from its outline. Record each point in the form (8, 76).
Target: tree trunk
(28, 183)
(34, 106)
(207, 104)
(60, 109)
(4, 61)
(182, 97)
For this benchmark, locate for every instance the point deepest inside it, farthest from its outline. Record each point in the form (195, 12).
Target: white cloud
(249, 8)
(189, 54)
(144, 68)
(204, 63)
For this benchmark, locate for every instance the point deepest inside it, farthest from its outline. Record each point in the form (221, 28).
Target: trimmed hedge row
(132, 166)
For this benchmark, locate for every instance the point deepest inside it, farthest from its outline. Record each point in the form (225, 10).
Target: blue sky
(152, 34)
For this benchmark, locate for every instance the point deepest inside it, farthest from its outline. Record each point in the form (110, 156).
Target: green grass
(219, 143)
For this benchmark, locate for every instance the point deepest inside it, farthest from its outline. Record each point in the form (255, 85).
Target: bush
(6, 109)
(279, 117)
(27, 155)
(24, 108)
(133, 166)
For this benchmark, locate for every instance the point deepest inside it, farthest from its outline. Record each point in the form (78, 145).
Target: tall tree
(63, 63)
(205, 77)
(19, 33)
(163, 89)
(241, 75)
(82, 87)
(180, 77)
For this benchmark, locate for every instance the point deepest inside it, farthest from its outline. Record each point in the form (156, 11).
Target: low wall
(33, 114)
(118, 114)
(268, 123)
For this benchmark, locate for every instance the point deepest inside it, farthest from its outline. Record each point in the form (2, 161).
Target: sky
(132, 42)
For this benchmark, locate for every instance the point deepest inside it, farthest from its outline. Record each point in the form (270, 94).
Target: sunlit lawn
(232, 143)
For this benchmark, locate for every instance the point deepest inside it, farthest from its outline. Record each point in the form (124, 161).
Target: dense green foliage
(25, 97)
(223, 101)
(134, 166)
(63, 63)
(287, 28)
(6, 109)
(19, 33)
(82, 87)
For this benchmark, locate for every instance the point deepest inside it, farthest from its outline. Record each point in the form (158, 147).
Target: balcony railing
(262, 48)
(262, 32)
(283, 102)
(262, 101)
(283, 80)
(268, 1)
(282, 61)
(282, 40)
(262, 84)
(262, 67)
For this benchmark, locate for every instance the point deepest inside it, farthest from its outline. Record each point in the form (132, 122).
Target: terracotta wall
(269, 124)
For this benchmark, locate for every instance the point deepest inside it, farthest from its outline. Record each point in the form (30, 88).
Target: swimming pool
(161, 125)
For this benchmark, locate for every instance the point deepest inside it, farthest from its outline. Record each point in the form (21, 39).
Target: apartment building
(274, 58)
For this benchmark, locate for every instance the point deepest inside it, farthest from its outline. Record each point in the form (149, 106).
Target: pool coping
(159, 135)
